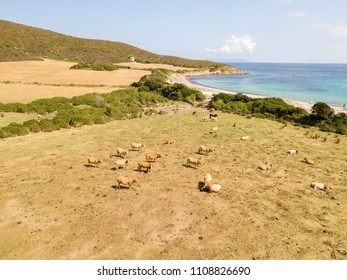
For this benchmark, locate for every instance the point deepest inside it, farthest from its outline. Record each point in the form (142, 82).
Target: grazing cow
(122, 152)
(144, 165)
(137, 146)
(213, 188)
(309, 161)
(93, 161)
(152, 157)
(265, 166)
(293, 152)
(193, 161)
(121, 163)
(205, 150)
(214, 130)
(204, 119)
(213, 119)
(245, 138)
(125, 181)
(213, 116)
(319, 186)
(170, 141)
(207, 180)
(194, 112)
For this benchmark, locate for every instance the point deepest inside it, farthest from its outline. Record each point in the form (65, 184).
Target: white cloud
(235, 45)
(301, 14)
(209, 50)
(339, 31)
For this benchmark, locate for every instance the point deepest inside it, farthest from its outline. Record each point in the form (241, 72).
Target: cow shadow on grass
(116, 187)
(91, 165)
(117, 168)
(200, 154)
(141, 171)
(188, 166)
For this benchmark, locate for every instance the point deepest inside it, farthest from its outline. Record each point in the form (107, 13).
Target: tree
(322, 110)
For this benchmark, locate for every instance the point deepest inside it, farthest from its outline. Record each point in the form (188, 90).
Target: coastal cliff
(226, 70)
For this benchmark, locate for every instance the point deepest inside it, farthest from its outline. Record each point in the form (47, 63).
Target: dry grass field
(8, 117)
(143, 66)
(52, 206)
(26, 81)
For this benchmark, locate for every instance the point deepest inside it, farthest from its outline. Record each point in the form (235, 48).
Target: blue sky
(263, 31)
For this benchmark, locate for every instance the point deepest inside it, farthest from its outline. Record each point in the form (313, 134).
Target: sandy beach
(184, 79)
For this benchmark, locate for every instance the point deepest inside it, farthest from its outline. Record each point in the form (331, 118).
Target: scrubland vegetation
(95, 65)
(322, 115)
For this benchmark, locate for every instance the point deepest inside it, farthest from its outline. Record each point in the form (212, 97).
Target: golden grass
(136, 65)
(54, 207)
(7, 117)
(26, 81)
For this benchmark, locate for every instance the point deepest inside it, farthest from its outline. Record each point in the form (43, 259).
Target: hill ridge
(22, 42)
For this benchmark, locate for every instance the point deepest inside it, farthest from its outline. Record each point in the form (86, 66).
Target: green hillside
(20, 42)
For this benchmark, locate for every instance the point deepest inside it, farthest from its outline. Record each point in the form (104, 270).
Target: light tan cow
(121, 163)
(93, 161)
(193, 161)
(144, 165)
(207, 179)
(214, 188)
(205, 150)
(137, 146)
(125, 181)
(170, 141)
(152, 157)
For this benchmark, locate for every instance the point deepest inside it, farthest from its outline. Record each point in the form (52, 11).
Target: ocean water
(295, 81)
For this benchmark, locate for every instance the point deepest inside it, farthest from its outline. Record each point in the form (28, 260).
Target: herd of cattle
(147, 165)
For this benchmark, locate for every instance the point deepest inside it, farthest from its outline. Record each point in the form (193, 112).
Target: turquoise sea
(295, 81)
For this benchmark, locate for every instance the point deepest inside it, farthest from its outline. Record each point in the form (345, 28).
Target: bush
(47, 125)
(49, 105)
(13, 107)
(33, 125)
(95, 65)
(15, 129)
(121, 104)
(156, 80)
(322, 110)
(180, 92)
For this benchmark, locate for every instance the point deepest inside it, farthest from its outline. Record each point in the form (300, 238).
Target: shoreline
(209, 92)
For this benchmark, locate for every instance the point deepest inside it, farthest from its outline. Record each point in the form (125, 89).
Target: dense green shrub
(180, 92)
(157, 82)
(13, 107)
(322, 110)
(95, 65)
(275, 108)
(49, 105)
(266, 107)
(47, 125)
(15, 129)
(33, 125)
(97, 109)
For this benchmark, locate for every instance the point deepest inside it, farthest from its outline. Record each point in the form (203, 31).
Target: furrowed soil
(53, 206)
